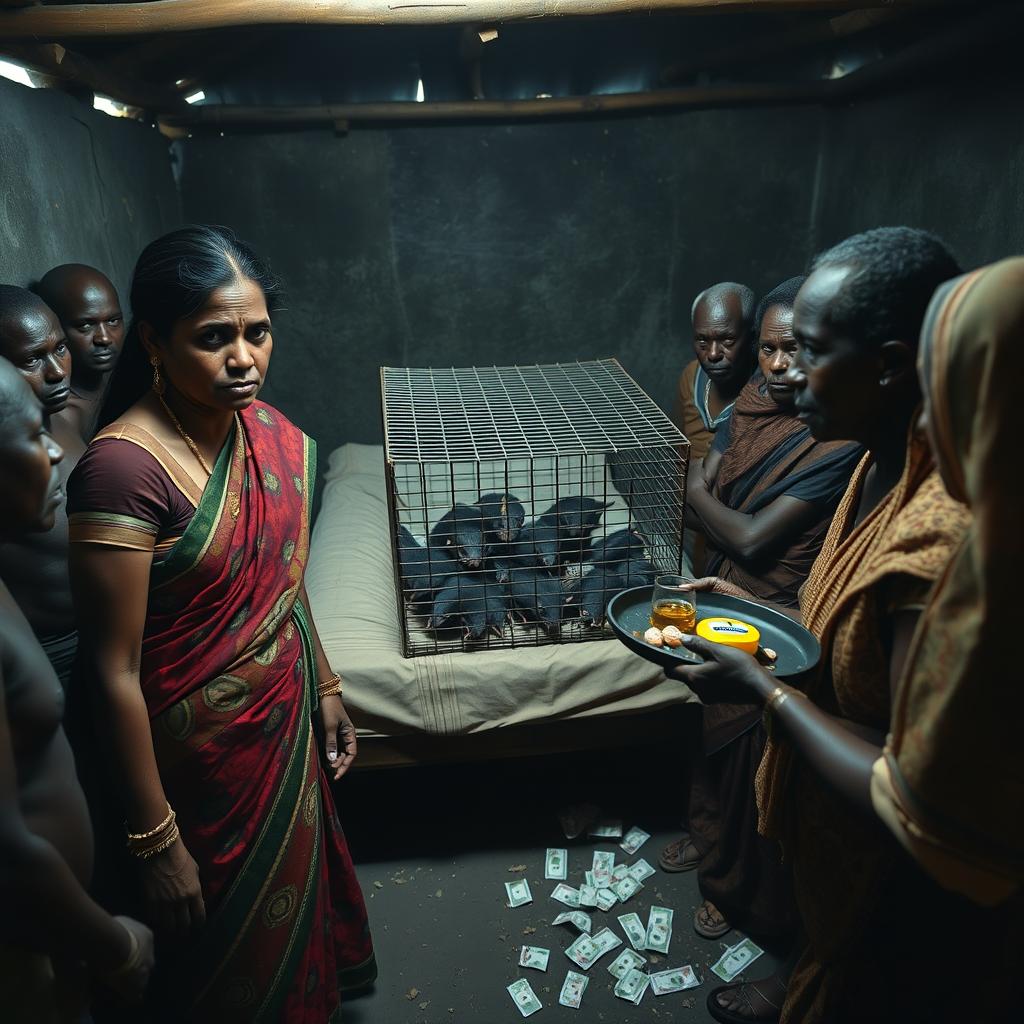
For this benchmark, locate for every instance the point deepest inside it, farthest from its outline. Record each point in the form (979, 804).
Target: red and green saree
(228, 675)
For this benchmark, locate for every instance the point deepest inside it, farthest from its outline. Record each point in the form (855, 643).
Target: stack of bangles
(156, 840)
(329, 687)
(775, 700)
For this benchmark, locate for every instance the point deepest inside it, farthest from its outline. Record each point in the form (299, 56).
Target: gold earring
(158, 381)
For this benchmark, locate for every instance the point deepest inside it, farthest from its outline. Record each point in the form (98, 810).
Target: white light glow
(196, 97)
(419, 91)
(16, 73)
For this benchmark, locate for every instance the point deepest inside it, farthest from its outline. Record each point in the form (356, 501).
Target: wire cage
(521, 498)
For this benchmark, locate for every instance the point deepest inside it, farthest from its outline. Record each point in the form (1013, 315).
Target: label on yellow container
(731, 632)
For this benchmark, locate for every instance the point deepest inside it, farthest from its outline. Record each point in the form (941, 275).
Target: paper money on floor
(621, 871)
(518, 892)
(626, 889)
(603, 866)
(580, 921)
(588, 878)
(632, 986)
(556, 864)
(659, 929)
(583, 952)
(524, 997)
(737, 958)
(572, 989)
(606, 899)
(626, 961)
(606, 940)
(534, 956)
(676, 980)
(634, 839)
(640, 870)
(635, 930)
(566, 894)
(607, 828)
(588, 896)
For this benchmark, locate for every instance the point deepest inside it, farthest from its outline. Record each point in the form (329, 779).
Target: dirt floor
(434, 847)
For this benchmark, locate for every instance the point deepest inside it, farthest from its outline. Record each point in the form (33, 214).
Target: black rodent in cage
(521, 498)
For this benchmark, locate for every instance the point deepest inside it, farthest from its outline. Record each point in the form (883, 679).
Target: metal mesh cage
(522, 497)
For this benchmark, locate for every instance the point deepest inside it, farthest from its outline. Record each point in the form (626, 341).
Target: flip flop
(667, 862)
(730, 1016)
(706, 931)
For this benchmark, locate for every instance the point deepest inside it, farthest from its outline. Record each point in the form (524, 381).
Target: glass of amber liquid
(674, 603)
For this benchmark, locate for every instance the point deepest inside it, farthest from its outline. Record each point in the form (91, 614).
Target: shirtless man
(51, 932)
(35, 566)
(89, 311)
(723, 342)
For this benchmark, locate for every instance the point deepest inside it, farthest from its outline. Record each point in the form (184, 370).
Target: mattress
(350, 583)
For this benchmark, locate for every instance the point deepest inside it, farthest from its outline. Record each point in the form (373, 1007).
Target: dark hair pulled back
(174, 277)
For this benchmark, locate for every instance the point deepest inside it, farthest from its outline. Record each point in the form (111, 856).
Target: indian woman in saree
(190, 528)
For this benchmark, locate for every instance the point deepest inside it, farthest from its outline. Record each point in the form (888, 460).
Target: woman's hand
(170, 882)
(727, 676)
(339, 736)
(129, 978)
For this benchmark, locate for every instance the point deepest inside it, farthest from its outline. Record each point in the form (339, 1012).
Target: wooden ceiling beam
(67, 21)
(77, 70)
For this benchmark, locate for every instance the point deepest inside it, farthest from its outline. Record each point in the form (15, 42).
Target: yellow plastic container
(731, 632)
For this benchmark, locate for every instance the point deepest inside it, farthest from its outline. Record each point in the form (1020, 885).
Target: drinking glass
(673, 605)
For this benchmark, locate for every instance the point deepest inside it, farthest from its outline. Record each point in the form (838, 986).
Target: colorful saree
(845, 865)
(951, 783)
(228, 675)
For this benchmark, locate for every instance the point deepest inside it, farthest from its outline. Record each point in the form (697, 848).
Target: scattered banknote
(659, 929)
(588, 896)
(580, 921)
(621, 871)
(632, 986)
(676, 980)
(607, 828)
(626, 961)
(572, 989)
(583, 952)
(518, 892)
(606, 899)
(635, 838)
(534, 956)
(635, 930)
(641, 870)
(604, 865)
(556, 864)
(605, 941)
(565, 894)
(626, 889)
(524, 998)
(588, 877)
(737, 958)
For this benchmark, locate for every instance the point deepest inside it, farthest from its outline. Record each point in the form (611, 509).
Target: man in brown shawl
(765, 499)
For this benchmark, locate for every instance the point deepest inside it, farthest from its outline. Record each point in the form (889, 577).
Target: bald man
(88, 308)
(49, 927)
(723, 342)
(35, 566)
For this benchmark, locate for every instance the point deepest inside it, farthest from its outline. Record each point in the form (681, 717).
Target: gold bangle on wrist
(156, 840)
(329, 687)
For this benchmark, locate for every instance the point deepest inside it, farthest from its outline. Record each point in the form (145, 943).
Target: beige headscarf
(951, 783)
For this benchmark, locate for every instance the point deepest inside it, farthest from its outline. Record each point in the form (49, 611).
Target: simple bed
(350, 582)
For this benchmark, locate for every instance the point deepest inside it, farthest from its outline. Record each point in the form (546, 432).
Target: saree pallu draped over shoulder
(228, 675)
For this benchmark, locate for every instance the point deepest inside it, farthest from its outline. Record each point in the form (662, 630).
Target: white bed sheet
(350, 582)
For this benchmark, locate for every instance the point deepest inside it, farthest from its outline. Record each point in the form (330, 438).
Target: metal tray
(629, 612)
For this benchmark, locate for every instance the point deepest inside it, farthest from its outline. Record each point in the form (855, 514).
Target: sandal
(708, 921)
(766, 1013)
(681, 855)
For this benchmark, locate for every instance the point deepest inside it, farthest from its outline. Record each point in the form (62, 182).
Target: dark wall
(949, 158)
(77, 186)
(484, 244)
